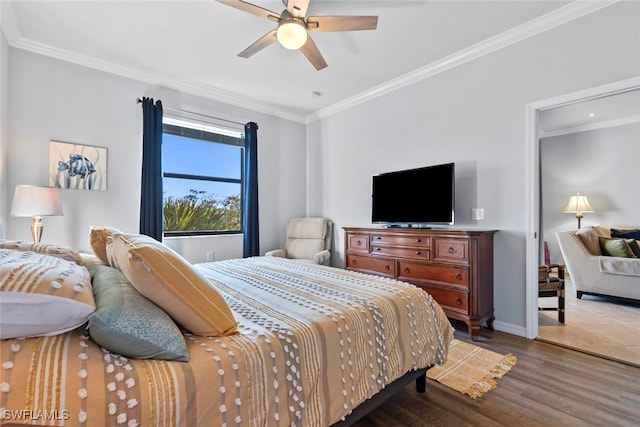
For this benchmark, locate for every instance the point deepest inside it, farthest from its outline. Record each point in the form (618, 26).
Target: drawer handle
(406, 269)
(450, 250)
(387, 267)
(418, 240)
(458, 276)
(353, 262)
(378, 238)
(359, 243)
(418, 253)
(378, 249)
(459, 301)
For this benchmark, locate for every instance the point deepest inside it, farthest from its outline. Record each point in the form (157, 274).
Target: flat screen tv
(415, 197)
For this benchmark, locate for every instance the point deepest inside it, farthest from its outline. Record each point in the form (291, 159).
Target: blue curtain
(151, 195)
(251, 242)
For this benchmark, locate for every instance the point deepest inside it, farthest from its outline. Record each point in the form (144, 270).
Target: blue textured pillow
(128, 324)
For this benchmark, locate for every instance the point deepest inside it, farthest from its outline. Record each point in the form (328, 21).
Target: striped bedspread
(314, 342)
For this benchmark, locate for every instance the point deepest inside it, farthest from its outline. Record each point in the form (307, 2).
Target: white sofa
(594, 273)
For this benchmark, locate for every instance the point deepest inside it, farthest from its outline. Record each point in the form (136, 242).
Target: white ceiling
(192, 46)
(606, 111)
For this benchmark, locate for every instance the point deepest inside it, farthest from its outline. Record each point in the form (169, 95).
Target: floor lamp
(36, 202)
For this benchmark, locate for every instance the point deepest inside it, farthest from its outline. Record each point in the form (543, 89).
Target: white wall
(603, 164)
(55, 100)
(473, 115)
(4, 77)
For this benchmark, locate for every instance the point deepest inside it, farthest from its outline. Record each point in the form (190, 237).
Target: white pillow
(42, 294)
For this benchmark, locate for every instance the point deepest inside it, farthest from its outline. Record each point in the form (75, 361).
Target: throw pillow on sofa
(616, 247)
(589, 237)
(634, 245)
(632, 233)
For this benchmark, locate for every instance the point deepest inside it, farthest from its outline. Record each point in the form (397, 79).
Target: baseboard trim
(510, 328)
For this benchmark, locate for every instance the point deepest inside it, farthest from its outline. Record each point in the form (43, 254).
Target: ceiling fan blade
(259, 44)
(313, 54)
(252, 9)
(341, 23)
(297, 8)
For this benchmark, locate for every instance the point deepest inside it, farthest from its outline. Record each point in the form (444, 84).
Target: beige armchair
(307, 239)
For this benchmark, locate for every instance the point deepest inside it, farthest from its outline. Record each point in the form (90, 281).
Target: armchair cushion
(304, 248)
(307, 228)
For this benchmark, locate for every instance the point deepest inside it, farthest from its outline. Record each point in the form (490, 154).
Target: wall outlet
(477, 214)
(210, 256)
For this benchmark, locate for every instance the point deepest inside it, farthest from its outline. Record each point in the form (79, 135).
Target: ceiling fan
(293, 27)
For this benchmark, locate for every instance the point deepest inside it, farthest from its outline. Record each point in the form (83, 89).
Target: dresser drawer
(358, 242)
(402, 252)
(397, 240)
(449, 299)
(411, 271)
(383, 266)
(450, 250)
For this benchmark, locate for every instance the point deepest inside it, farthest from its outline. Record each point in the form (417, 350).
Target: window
(202, 178)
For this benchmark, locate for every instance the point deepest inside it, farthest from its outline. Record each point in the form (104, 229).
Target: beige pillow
(590, 238)
(42, 294)
(98, 237)
(167, 279)
(43, 248)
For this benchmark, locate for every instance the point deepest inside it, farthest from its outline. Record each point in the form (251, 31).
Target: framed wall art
(77, 166)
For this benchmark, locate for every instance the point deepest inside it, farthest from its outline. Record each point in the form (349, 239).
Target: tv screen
(419, 196)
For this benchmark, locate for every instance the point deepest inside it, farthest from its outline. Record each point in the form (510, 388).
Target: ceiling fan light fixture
(292, 34)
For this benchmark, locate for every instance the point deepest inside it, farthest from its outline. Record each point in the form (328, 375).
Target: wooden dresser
(454, 266)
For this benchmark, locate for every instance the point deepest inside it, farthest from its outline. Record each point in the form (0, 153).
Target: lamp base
(36, 229)
(579, 216)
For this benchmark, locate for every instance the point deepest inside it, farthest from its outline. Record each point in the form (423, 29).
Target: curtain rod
(138, 101)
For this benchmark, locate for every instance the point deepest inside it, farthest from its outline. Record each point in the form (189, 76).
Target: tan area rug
(471, 370)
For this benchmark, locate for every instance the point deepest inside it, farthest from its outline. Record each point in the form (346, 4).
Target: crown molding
(168, 81)
(546, 22)
(529, 29)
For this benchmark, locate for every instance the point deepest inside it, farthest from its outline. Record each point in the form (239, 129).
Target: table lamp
(578, 204)
(36, 202)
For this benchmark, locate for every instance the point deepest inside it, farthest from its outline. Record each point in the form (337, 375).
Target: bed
(306, 344)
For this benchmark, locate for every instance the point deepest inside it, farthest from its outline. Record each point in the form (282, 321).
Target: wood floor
(549, 386)
(596, 325)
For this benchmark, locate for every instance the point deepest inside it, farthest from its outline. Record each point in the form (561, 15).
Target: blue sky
(196, 157)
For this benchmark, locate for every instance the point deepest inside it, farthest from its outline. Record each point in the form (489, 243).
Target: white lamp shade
(578, 203)
(291, 34)
(30, 201)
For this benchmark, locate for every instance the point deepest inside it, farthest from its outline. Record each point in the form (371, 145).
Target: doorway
(533, 240)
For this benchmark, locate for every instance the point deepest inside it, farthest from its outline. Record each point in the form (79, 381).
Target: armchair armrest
(282, 253)
(322, 257)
